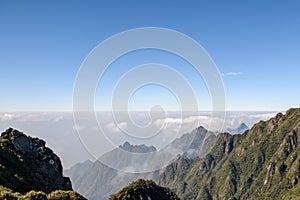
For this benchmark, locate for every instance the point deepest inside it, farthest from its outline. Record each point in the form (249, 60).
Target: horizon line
(70, 111)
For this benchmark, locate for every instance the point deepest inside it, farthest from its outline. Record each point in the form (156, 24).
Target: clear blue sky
(43, 43)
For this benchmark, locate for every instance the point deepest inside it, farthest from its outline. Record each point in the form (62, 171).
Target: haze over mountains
(98, 180)
(59, 130)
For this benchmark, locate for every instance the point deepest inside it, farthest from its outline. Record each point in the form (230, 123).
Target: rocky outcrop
(27, 164)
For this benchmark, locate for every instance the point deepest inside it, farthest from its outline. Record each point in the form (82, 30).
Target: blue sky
(43, 43)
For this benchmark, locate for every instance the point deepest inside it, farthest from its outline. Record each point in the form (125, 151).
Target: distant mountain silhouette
(239, 130)
(137, 148)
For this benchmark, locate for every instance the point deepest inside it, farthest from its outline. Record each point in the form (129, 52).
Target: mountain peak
(243, 127)
(137, 148)
(239, 130)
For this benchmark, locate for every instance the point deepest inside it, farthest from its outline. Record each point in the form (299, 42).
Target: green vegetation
(263, 163)
(144, 190)
(65, 195)
(8, 194)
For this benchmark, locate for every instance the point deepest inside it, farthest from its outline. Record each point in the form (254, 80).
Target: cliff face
(262, 163)
(27, 164)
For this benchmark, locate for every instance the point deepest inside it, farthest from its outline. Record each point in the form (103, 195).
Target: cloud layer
(75, 142)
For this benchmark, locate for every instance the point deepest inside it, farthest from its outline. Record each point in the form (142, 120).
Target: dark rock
(37, 167)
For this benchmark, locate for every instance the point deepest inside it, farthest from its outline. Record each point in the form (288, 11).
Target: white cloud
(58, 119)
(30, 117)
(264, 116)
(116, 128)
(7, 117)
(76, 127)
(231, 74)
(170, 126)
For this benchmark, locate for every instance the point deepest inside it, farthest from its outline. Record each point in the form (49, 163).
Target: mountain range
(262, 163)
